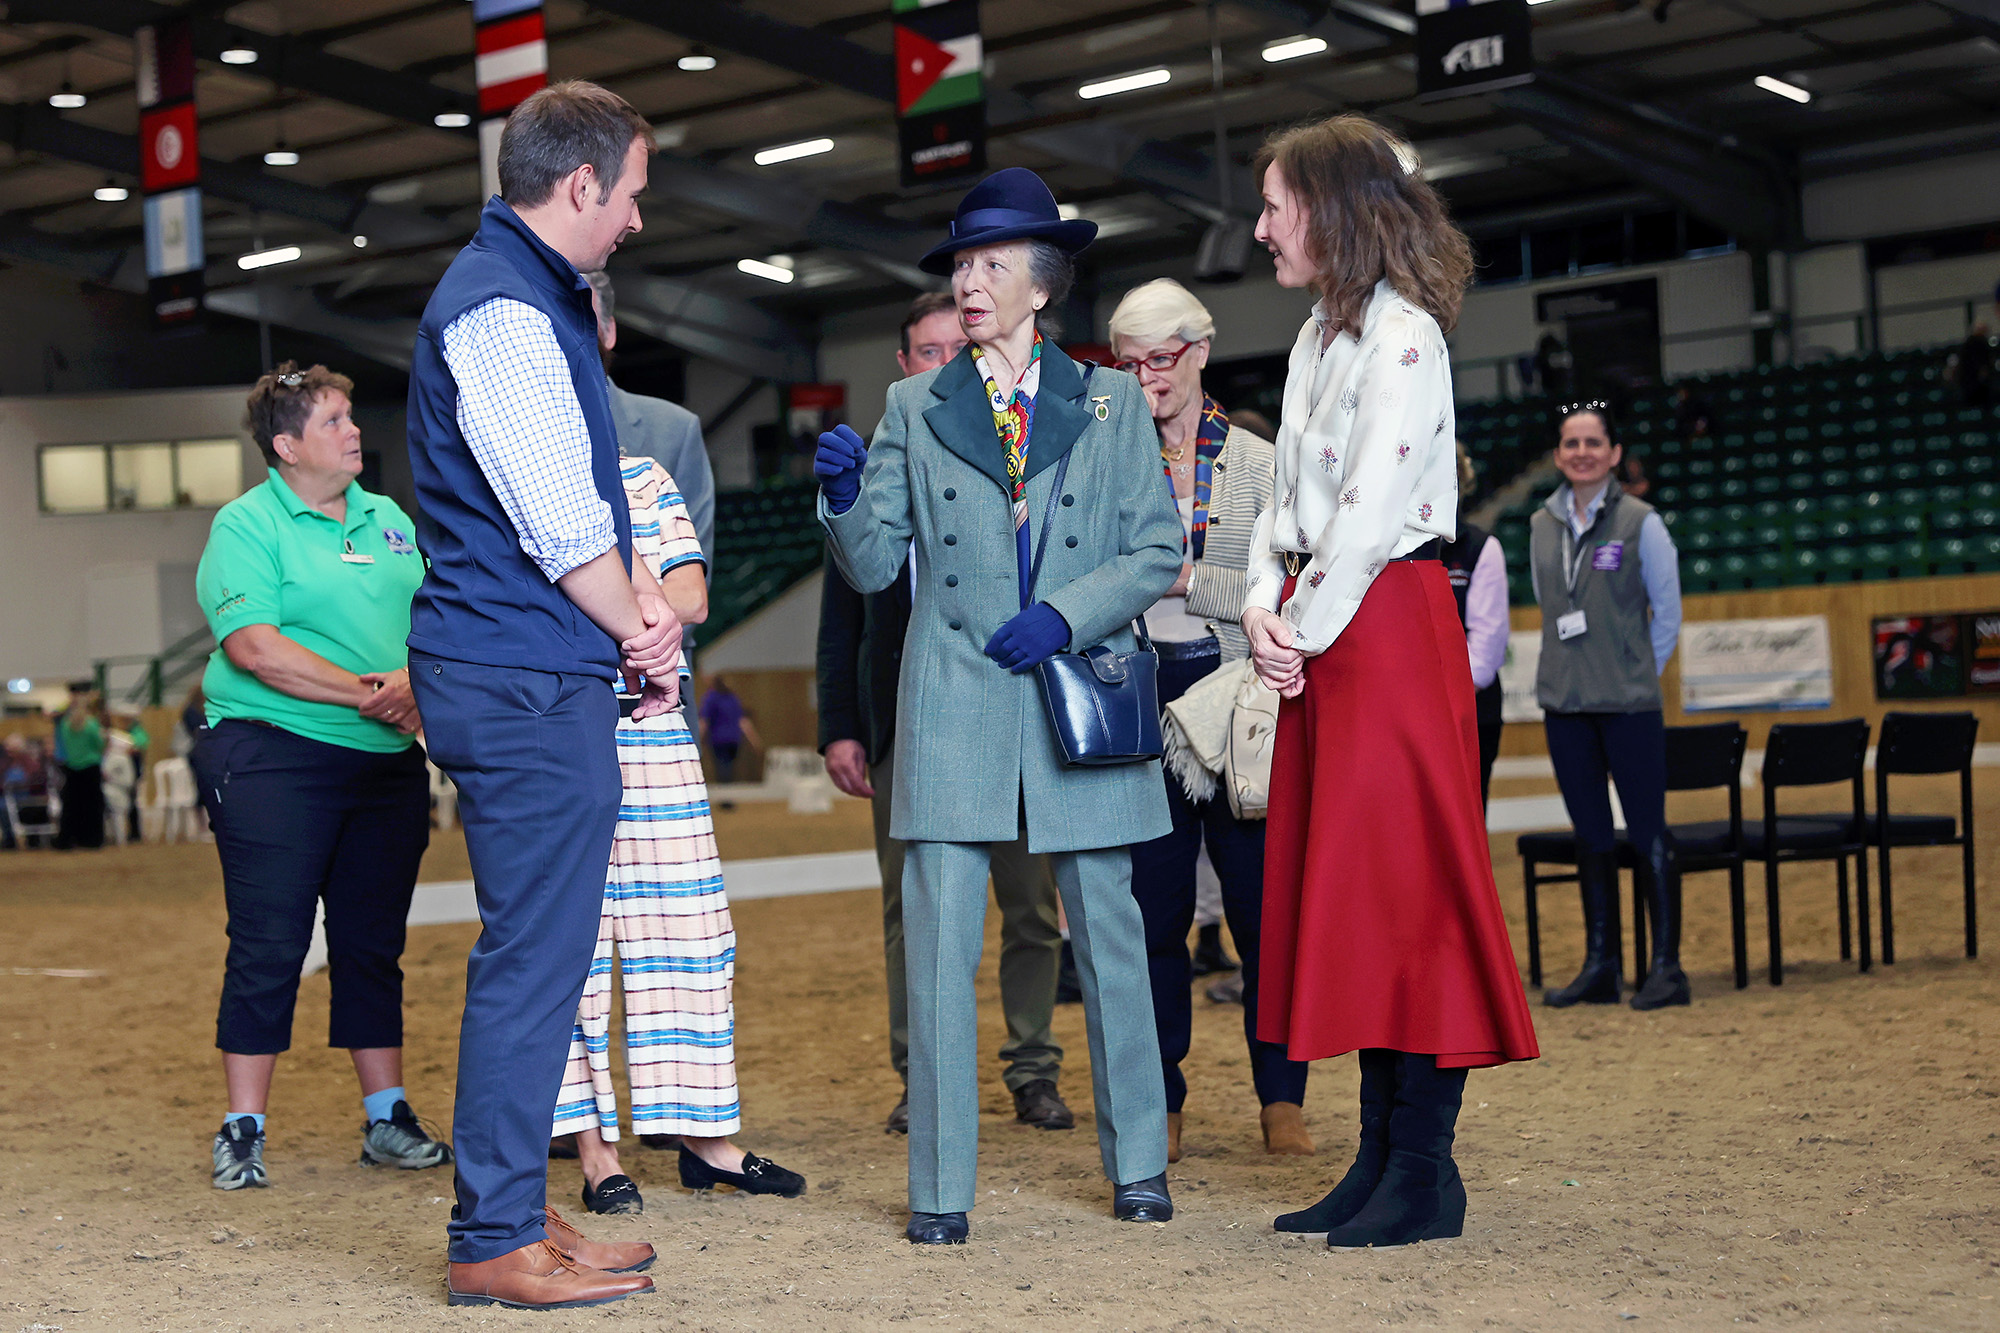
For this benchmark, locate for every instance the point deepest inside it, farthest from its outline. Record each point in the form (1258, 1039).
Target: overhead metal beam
(1981, 15)
(294, 62)
(736, 333)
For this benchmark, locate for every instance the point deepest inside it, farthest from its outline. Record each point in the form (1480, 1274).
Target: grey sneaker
(239, 1156)
(400, 1141)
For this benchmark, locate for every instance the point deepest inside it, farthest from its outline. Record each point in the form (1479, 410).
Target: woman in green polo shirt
(314, 783)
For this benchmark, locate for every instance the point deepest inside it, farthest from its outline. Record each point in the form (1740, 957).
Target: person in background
(1971, 366)
(1477, 568)
(142, 740)
(726, 726)
(1220, 479)
(860, 659)
(23, 782)
(80, 748)
(1382, 926)
(1694, 415)
(192, 724)
(314, 786)
(1607, 578)
(666, 913)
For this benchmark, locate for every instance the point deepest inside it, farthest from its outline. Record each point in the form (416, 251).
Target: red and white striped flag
(510, 63)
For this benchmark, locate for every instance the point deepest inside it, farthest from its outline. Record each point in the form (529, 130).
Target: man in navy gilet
(530, 611)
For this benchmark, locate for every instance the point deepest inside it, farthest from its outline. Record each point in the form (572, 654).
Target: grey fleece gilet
(1610, 667)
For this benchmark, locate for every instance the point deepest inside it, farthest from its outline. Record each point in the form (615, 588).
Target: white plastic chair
(119, 776)
(174, 802)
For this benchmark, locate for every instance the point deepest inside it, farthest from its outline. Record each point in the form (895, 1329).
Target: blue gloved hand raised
(837, 463)
(1030, 638)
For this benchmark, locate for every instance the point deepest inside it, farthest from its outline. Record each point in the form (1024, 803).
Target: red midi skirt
(1382, 925)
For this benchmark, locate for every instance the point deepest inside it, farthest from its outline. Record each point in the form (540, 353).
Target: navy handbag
(1104, 705)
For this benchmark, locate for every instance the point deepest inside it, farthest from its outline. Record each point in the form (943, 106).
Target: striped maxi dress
(665, 914)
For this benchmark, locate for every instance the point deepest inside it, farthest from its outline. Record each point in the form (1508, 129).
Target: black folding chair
(1700, 757)
(1558, 847)
(1925, 743)
(1814, 754)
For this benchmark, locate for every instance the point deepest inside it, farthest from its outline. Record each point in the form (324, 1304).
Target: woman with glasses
(1221, 481)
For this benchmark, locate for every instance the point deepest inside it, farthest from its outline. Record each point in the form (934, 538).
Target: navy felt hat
(1010, 205)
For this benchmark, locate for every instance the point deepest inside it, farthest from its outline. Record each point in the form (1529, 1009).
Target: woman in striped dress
(667, 915)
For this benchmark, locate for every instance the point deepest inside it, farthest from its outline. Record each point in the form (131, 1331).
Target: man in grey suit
(654, 428)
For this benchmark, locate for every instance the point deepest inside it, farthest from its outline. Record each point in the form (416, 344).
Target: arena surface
(1823, 1156)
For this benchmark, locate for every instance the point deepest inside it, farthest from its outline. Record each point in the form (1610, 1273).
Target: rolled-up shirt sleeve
(518, 411)
(1486, 614)
(1660, 564)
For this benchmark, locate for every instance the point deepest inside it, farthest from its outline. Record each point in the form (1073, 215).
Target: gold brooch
(1103, 409)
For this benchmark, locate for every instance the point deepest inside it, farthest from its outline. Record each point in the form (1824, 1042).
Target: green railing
(175, 664)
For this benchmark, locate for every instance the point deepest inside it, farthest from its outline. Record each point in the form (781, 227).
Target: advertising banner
(940, 90)
(1756, 665)
(1982, 672)
(170, 175)
(1472, 46)
(1517, 677)
(1919, 657)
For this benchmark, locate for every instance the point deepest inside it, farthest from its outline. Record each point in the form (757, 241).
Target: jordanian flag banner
(940, 90)
(510, 64)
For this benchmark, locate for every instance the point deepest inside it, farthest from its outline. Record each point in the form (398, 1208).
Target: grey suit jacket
(973, 742)
(670, 435)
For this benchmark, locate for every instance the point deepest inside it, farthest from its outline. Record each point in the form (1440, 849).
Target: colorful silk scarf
(1210, 433)
(1014, 420)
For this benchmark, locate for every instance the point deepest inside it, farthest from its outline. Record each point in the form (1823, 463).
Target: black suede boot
(1665, 982)
(1378, 1088)
(1603, 975)
(1420, 1196)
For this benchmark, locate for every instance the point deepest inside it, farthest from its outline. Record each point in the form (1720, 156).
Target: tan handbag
(1253, 734)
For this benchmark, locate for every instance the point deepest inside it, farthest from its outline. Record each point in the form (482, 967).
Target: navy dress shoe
(1143, 1201)
(937, 1229)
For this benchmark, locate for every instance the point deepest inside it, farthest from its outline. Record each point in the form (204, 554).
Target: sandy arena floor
(1822, 1156)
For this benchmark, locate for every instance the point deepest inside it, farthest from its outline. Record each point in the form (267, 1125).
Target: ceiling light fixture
(786, 152)
(757, 268)
(1294, 47)
(1782, 89)
(451, 120)
(111, 193)
(697, 61)
(1124, 83)
(68, 99)
(281, 156)
(361, 242)
(283, 254)
(238, 55)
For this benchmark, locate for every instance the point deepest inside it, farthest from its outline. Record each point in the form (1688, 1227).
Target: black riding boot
(1420, 1196)
(1378, 1088)
(1665, 983)
(1603, 974)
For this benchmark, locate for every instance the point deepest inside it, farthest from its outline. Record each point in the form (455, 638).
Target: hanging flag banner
(1472, 46)
(940, 89)
(510, 64)
(170, 174)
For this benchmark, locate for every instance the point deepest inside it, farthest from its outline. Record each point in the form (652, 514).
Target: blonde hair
(1370, 214)
(1161, 309)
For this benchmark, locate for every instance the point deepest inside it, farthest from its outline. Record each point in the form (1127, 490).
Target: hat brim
(1070, 236)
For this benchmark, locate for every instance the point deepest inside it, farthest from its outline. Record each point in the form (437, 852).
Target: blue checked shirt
(518, 411)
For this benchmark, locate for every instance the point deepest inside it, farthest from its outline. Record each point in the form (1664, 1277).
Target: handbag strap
(1048, 524)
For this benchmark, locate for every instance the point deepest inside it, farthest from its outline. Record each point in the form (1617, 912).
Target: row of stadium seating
(766, 540)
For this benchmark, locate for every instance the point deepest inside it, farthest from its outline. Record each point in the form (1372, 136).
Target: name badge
(350, 558)
(1571, 626)
(1608, 556)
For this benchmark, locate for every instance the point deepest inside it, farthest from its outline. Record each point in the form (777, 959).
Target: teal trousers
(944, 925)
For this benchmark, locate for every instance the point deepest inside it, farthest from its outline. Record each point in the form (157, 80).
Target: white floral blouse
(1367, 470)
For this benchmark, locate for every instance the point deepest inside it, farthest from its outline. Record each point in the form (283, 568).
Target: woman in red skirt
(1382, 927)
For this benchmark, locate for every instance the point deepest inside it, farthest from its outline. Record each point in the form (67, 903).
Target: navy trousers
(1629, 748)
(535, 758)
(1163, 883)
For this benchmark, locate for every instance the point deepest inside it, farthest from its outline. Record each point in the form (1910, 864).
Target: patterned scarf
(1014, 420)
(1210, 433)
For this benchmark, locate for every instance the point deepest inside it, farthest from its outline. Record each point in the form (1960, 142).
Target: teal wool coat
(973, 742)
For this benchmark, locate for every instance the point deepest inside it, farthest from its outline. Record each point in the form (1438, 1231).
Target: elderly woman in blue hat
(1011, 449)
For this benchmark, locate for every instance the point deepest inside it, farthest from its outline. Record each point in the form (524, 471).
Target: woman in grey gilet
(1607, 578)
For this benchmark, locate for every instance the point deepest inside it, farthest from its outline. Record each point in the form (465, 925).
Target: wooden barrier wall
(1849, 609)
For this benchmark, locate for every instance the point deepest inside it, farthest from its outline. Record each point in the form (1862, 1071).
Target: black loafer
(760, 1175)
(1143, 1201)
(614, 1194)
(899, 1118)
(937, 1229)
(1039, 1104)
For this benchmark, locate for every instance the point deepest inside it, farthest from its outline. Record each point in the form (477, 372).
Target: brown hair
(282, 401)
(563, 127)
(1368, 217)
(921, 309)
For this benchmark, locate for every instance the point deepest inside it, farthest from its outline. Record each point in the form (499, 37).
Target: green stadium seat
(1983, 519)
(1737, 488)
(1946, 522)
(1941, 469)
(1874, 474)
(1868, 451)
(1699, 539)
(1767, 569)
(1985, 552)
(1983, 492)
(1807, 565)
(1736, 516)
(1734, 570)
(1805, 532)
(1701, 467)
(1843, 561)
(1833, 479)
(1835, 455)
(1698, 574)
(1877, 523)
(1977, 465)
(1667, 496)
(1667, 470)
(1905, 471)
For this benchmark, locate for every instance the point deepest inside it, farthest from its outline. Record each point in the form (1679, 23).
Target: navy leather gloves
(837, 463)
(1032, 637)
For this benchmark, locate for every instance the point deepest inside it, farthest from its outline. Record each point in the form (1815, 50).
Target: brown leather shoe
(605, 1256)
(538, 1277)
(1285, 1131)
(1173, 1136)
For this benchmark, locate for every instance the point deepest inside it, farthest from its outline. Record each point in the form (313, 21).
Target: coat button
(951, 539)
(1068, 500)
(956, 625)
(950, 493)
(951, 580)
(1070, 542)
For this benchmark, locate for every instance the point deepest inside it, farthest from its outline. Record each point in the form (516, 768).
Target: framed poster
(1919, 657)
(1517, 677)
(1982, 652)
(1745, 665)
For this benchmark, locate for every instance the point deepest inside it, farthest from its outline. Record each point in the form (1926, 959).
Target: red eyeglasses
(1158, 362)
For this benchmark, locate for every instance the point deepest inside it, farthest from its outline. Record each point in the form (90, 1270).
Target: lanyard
(1575, 548)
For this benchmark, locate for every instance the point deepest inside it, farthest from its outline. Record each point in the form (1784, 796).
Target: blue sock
(377, 1105)
(235, 1116)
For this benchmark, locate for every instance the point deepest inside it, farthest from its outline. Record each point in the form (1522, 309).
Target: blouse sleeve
(1390, 483)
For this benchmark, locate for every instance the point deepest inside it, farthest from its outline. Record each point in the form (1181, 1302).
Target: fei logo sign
(1472, 46)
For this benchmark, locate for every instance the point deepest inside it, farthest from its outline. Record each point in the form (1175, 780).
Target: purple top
(1486, 622)
(722, 715)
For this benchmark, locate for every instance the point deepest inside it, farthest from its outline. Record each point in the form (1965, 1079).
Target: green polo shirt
(341, 590)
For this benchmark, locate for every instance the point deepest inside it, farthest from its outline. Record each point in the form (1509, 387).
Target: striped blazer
(1218, 587)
